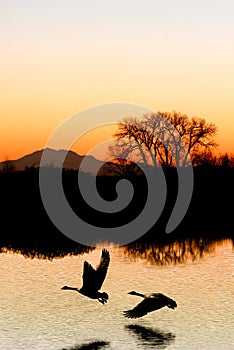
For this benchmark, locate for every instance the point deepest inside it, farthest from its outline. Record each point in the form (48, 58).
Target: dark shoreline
(27, 228)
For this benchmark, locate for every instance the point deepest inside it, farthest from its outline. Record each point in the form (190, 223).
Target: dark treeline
(25, 225)
(27, 228)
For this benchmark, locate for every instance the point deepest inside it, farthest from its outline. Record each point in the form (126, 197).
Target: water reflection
(45, 252)
(172, 251)
(96, 345)
(151, 337)
(36, 314)
(158, 250)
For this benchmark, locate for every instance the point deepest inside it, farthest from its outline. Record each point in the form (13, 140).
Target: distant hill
(72, 160)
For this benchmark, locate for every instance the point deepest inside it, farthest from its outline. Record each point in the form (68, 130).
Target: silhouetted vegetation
(7, 166)
(209, 159)
(168, 138)
(26, 227)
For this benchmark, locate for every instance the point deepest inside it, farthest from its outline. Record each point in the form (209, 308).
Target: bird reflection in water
(96, 345)
(151, 337)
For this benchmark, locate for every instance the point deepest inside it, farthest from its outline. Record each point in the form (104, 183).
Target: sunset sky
(59, 57)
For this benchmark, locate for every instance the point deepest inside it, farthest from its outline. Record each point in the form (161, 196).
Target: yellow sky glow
(57, 60)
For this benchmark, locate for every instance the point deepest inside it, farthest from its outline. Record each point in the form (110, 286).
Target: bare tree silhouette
(169, 138)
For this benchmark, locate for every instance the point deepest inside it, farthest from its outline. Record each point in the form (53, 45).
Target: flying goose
(150, 303)
(93, 279)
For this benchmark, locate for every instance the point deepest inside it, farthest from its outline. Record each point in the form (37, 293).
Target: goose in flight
(150, 303)
(93, 279)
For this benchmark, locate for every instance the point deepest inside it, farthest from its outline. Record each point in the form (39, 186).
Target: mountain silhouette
(72, 160)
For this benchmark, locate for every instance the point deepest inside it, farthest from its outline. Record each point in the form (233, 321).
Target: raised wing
(93, 279)
(89, 277)
(102, 268)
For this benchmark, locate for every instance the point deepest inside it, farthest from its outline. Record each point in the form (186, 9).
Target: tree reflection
(151, 337)
(46, 253)
(169, 250)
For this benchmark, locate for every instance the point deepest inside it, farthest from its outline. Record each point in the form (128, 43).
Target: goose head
(65, 287)
(133, 293)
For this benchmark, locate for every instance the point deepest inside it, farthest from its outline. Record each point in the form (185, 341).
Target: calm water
(37, 314)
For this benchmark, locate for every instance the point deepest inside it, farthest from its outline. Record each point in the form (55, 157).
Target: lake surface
(37, 314)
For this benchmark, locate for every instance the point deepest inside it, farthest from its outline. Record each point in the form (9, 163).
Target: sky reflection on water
(36, 314)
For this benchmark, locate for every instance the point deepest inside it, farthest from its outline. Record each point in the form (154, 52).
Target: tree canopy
(168, 138)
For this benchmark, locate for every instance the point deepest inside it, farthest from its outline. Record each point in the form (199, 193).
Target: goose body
(93, 279)
(151, 302)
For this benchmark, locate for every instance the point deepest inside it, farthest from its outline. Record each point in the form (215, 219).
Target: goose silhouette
(93, 279)
(150, 303)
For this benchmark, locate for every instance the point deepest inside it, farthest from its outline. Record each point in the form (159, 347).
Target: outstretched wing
(147, 305)
(140, 310)
(101, 269)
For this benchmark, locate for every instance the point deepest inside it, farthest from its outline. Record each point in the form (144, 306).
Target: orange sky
(57, 60)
